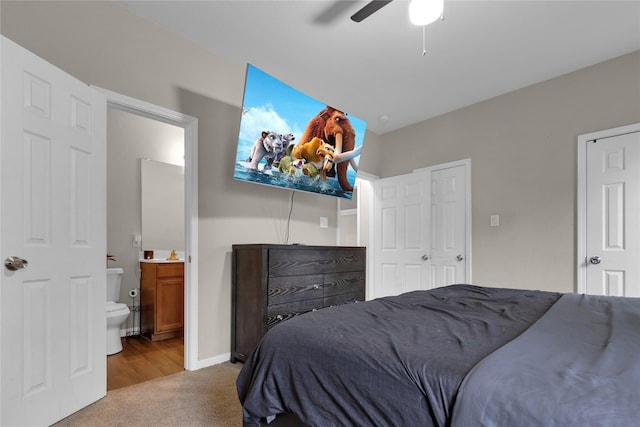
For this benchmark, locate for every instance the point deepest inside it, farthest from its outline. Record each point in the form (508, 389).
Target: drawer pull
(316, 286)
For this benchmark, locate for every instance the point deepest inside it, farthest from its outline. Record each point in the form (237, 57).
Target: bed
(459, 355)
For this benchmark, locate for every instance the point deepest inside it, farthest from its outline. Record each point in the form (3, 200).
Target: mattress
(394, 361)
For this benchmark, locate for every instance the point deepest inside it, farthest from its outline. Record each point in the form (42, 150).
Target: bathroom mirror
(162, 199)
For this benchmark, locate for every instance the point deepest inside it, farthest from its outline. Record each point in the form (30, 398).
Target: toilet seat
(115, 307)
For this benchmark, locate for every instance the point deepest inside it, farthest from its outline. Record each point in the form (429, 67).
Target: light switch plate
(495, 220)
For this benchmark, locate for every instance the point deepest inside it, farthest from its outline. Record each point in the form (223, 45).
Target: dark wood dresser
(273, 283)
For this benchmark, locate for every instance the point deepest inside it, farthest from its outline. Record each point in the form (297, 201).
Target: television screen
(290, 140)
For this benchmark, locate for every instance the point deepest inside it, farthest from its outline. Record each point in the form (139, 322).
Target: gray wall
(102, 44)
(523, 151)
(522, 146)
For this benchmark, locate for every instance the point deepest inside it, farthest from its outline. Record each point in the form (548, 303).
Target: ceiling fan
(421, 12)
(369, 9)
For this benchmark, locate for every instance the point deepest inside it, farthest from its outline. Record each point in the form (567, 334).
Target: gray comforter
(395, 361)
(579, 365)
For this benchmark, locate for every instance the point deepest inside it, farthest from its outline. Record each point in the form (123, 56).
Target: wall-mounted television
(290, 140)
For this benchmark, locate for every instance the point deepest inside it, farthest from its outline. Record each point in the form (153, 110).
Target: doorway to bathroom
(143, 137)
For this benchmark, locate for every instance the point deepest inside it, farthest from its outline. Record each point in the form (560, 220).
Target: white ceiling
(375, 69)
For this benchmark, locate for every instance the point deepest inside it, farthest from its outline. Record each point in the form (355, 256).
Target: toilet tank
(114, 280)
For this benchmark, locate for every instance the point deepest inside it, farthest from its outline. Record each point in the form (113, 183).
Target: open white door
(610, 212)
(52, 214)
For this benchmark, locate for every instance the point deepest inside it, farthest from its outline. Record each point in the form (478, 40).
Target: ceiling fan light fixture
(424, 12)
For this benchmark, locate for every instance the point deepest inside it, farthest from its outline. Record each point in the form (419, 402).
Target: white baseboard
(210, 361)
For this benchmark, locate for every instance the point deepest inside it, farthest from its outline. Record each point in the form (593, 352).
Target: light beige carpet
(206, 397)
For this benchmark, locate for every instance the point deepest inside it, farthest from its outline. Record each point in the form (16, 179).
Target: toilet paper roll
(133, 293)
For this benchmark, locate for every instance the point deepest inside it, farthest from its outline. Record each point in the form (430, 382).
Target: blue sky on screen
(270, 104)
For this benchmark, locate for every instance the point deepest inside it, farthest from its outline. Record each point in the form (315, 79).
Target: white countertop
(161, 255)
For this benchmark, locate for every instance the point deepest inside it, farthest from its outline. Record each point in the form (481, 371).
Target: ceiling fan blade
(369, 9)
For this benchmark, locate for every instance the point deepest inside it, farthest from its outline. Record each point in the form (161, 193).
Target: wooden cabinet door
(169, 304)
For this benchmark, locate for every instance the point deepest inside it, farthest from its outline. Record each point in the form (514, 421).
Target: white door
(53, 208)
(448, 234)
(401, 234)
(612, 260)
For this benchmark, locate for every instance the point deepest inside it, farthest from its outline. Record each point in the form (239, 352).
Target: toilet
(116, 313)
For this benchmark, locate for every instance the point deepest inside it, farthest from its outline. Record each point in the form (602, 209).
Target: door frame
(581, 226)
(190, 126)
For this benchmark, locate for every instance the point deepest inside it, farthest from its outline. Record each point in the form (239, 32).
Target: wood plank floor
(143, 360)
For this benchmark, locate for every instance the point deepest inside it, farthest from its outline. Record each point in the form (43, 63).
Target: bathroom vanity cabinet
(161, 300)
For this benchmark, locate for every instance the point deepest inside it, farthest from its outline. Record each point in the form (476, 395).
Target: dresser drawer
(280, 312)
(310, 261)
(343, 283)
(294, 288)
(344, 299)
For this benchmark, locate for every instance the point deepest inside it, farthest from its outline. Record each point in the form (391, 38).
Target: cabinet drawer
(343, 283)
(294, 288)
(170, 270)
(273, 283)
(344, 299)
(280, 312)
(282, 262)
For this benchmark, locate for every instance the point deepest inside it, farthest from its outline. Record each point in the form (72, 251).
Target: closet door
(448, 226)
(422, 230)
(613, 215)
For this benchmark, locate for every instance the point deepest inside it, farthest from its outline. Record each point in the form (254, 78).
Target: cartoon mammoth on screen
(334, 128)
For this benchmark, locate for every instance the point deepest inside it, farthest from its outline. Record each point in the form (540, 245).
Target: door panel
(169, 307)
(448, 243)
(401, 221)
(613, 216)
(52, 176)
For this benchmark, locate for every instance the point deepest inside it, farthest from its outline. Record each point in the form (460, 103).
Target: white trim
(581, 199)
(338, 223)
(357, 213)
(367, 176)
(190, 126)
(368, 180)
(215, 360)
(348, 212)
(455, 163)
